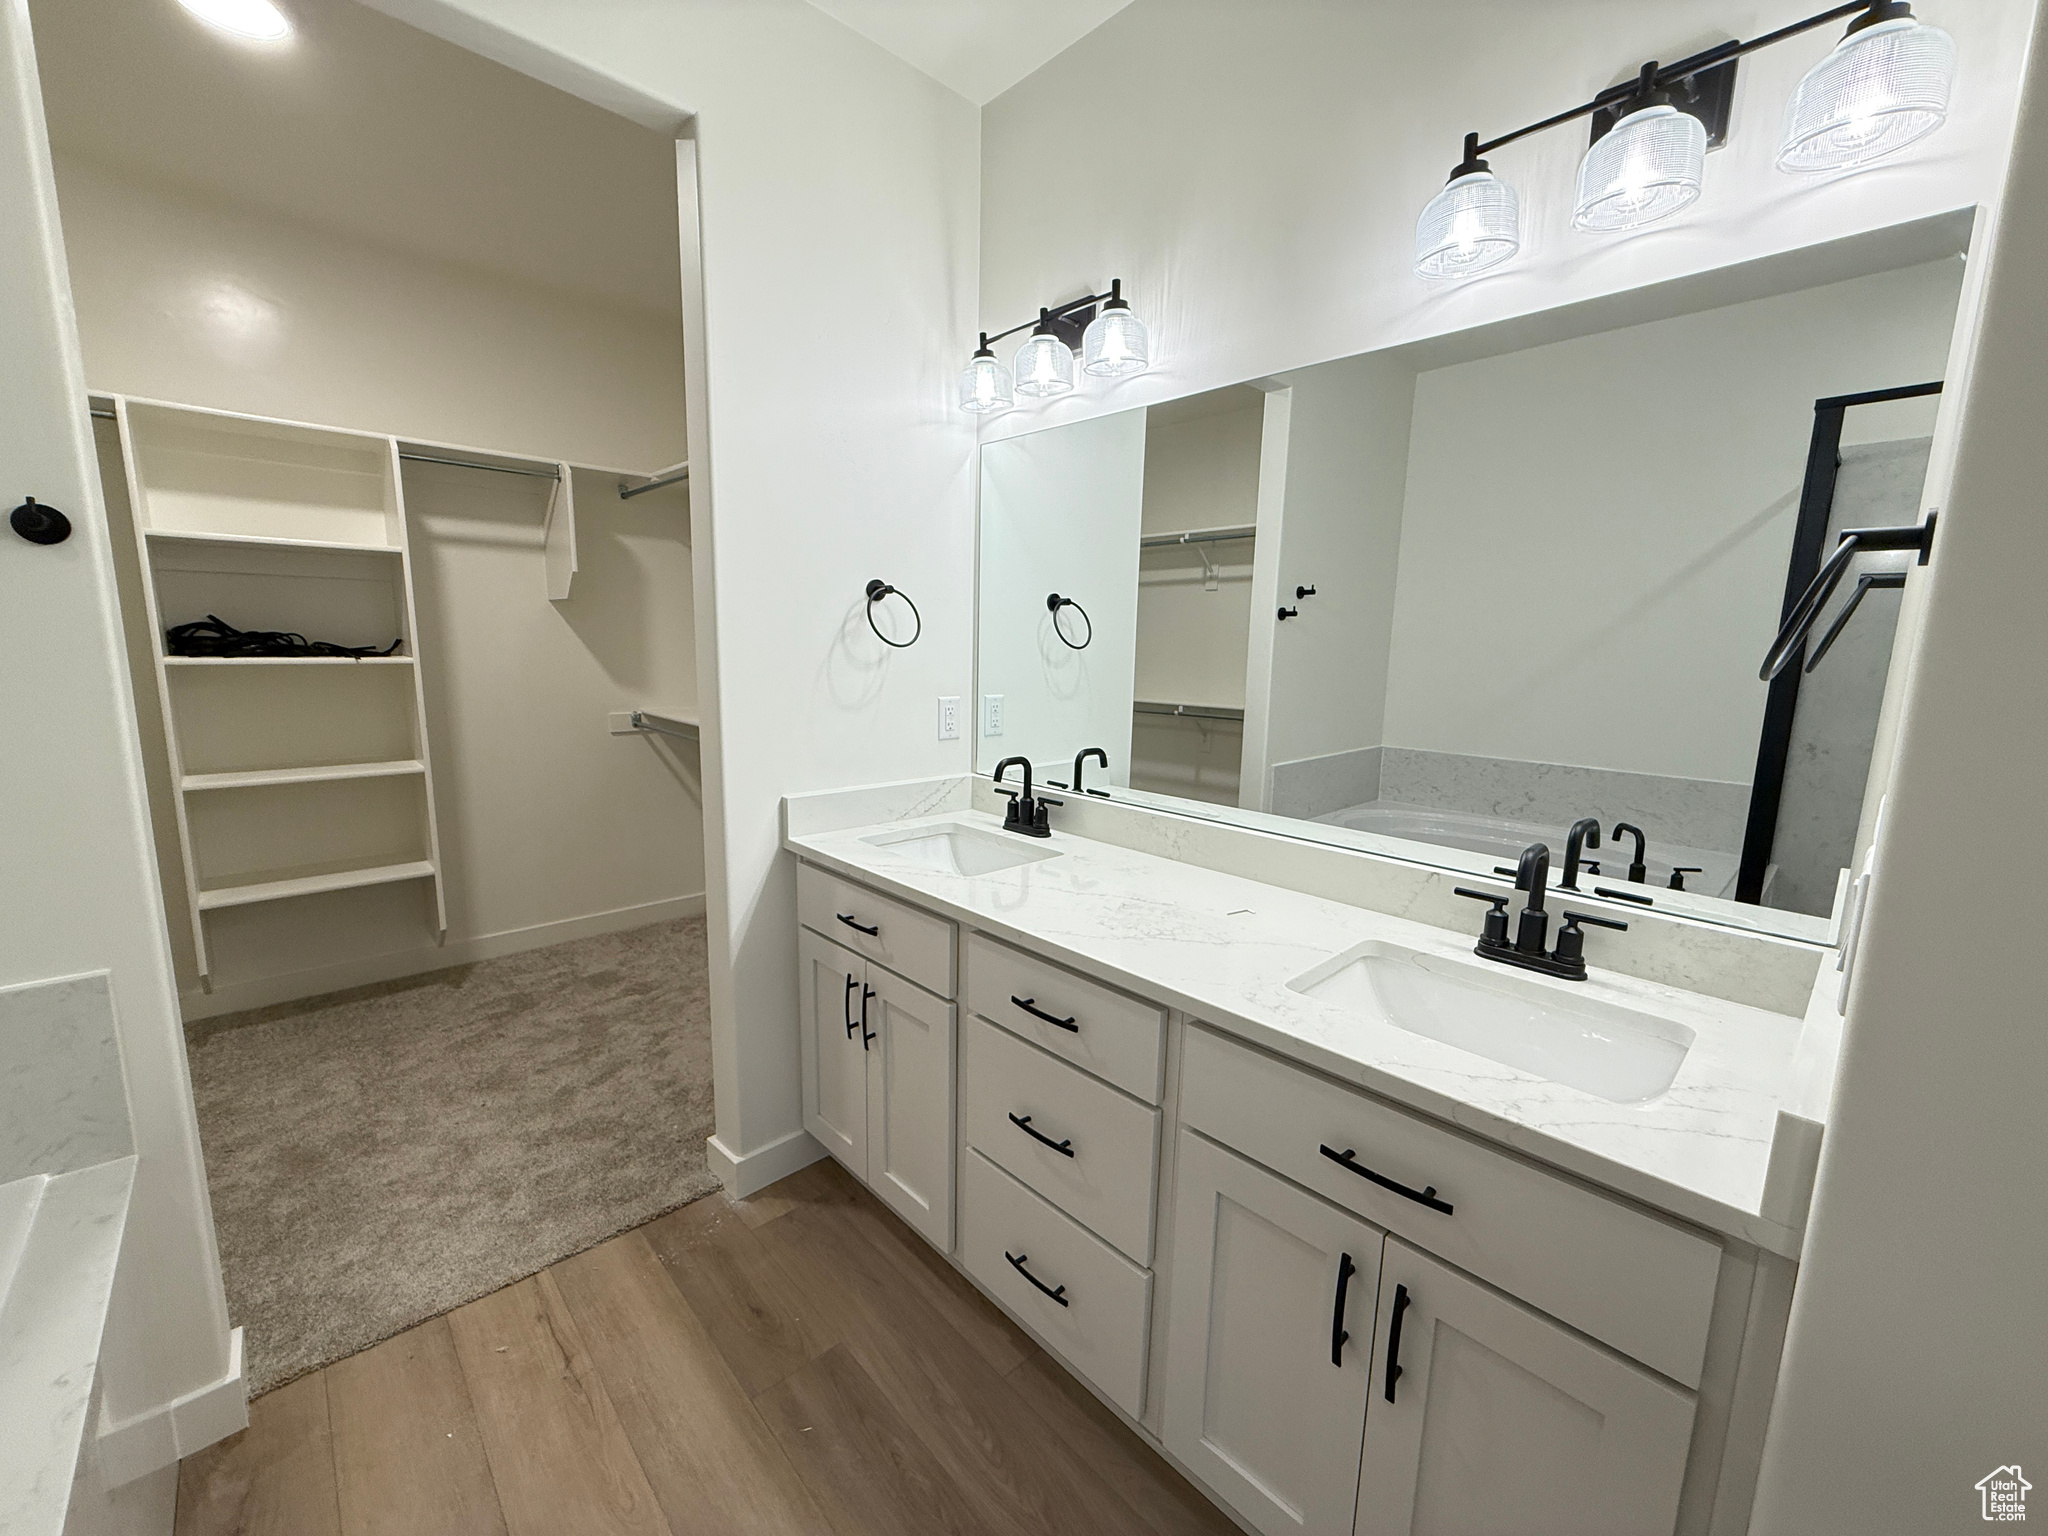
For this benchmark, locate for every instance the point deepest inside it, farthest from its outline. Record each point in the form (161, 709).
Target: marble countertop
(1223, 948)
(60, 1238)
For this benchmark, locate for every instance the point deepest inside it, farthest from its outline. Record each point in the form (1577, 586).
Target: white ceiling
(980, 48)
(365, 126)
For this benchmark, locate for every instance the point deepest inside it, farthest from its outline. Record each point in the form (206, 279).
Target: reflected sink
(959, 849)
(1583, 1042)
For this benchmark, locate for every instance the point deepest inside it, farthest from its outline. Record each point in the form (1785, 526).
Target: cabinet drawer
(1102, 1317)
(1118, 1038)
(911, 943)
(1104, 1178)
(1627, 1278)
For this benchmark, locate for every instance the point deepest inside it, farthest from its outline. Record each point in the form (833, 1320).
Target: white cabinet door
(832, 984)
(1487, 1419)
(910, 1102)
(1269, 1345)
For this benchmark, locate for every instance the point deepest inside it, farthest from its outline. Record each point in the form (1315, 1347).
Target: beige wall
(550, 826)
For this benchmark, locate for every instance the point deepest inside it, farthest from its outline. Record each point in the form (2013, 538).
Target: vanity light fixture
(1112, 341)
(259, 21)
(1885, 86)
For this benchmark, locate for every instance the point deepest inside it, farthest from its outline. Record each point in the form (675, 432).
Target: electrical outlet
(949, 717)
(991, 714)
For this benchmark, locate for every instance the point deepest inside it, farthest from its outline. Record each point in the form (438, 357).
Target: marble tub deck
(1222, 948)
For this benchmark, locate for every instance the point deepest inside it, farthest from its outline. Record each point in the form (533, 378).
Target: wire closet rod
(100, 415)
(1187, 711)
(667, 477)
(1198, 536)
(502, 469)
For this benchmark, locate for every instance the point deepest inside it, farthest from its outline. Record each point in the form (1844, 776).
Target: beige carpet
(379, 1156)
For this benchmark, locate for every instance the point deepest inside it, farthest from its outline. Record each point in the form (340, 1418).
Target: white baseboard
(289, 986)
(162, 1436)
(755, 1171)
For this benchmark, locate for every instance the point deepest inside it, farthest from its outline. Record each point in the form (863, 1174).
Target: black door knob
(39, 524)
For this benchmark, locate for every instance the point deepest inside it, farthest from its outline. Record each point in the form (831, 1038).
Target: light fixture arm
(1655, 77)
(1115, 296)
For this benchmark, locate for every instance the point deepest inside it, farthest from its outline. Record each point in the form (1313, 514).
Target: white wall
(1059, 513)
(838, 195)
(1265, 165)
(1347, 474)
(1596, 531)
(181, 298)
(1917, 1351)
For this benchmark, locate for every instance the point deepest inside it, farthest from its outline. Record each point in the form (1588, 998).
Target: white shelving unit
(295, 775)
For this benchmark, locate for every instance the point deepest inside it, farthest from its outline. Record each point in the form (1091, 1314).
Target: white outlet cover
(949, 717)
(991, 714)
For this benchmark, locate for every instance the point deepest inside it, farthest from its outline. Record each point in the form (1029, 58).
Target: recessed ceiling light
(258, 20)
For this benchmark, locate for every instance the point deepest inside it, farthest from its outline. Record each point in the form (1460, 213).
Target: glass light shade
(257, 20)
(985, 385)
(1647, 167)
(1473, 224)
(1115, 345)
(1882, 88)
(1044, 366)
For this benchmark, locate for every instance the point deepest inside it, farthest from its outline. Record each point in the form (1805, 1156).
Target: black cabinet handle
(1017, 1262)
(1039, 1013)
(1401, 1300)
(1347, 1159)
(847, 919)
(1338, 1332)
(866, 1035)
(847, 1006)
(1064, 1148)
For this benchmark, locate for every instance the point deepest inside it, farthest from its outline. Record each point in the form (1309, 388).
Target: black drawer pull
(847, 918)
(1338, 1332)
(1064, 1148)
(1401, 1300)
(848, 1006)
(1039, 1013)
(1347, 1159)
(866, 1035)
(1017, 1262)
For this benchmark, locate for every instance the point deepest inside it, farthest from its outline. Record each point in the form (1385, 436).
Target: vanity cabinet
(878, 1081)
(1487, 1417)
(1271, 1342)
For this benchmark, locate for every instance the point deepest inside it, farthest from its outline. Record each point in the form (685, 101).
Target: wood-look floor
(795, 1363)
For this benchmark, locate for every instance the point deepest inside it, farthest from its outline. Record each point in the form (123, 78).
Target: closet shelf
(263, 541)
(1198, 536)
(1187, 711)
(257, 777)
(283, 888)
(288, 661)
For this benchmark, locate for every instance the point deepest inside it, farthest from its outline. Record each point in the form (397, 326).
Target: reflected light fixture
(1473, 224)
(259, 21)
(1112, 341)
(984, 382)
(1646, 167)
(1885, 86)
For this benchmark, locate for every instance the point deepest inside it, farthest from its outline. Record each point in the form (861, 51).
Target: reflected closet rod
(503, 469)
(667, 477)
(100, 415)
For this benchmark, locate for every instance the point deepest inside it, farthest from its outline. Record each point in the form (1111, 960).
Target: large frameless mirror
(1451, 598)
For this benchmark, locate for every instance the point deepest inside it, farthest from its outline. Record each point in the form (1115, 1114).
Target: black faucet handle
(1572, 919)
(1571, 940)
(1465, 890)
(1495, 931)
(1680, 871)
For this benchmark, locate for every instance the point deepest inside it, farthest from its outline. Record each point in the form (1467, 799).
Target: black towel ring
(877, 590)
(1054, 603)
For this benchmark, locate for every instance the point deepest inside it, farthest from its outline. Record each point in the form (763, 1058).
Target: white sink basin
(958, 849)
(1583, 1042)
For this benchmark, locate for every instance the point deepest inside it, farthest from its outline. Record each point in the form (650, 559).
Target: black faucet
(1585, 833)
(1025, 815)
(1081, 757)
(1636, 867)
(1568, 960)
